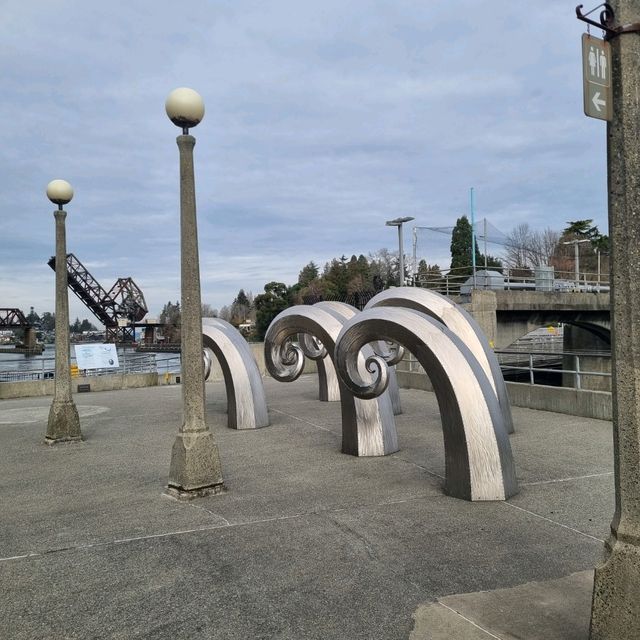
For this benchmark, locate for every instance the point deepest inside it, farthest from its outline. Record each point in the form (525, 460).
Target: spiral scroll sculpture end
(348, 363)
(391, 352)
(312, 347)
(284, 360)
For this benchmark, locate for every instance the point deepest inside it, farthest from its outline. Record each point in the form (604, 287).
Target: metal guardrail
(449, 281)
(532, 367)
(44, 368)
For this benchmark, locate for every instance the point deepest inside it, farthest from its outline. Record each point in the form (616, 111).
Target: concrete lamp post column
(615, 611)
(64, 423)
(195, 463)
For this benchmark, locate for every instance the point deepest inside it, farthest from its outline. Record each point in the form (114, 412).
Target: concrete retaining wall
(31, 388)
(588, 404)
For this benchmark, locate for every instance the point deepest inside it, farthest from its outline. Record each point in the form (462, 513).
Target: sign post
(596, 74)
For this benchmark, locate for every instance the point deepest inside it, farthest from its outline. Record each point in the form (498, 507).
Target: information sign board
(96, 356)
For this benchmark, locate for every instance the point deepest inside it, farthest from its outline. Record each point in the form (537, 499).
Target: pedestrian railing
(538, 362)
(44, 368)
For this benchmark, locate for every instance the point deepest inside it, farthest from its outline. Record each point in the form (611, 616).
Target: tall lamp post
(64, 423)
(195, 463)
(576, 257)
(398, 222)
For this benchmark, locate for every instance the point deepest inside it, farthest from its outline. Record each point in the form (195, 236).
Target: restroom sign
(596, 74)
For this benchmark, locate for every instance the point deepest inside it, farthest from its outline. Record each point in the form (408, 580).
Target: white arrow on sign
(597, 102)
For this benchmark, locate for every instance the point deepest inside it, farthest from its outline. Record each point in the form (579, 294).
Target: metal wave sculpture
(478, 460)
(246, 400)
(329, 377)
(368, 426)
(328, 384)
(462, 324)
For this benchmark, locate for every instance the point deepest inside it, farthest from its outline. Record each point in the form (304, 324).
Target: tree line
(357, 279)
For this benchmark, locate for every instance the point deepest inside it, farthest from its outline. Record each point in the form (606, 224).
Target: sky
(323, 120)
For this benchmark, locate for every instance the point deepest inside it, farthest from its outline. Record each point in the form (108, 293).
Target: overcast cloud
(322, 121)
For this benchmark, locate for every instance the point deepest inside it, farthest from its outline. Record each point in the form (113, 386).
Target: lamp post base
(616, 590)
(64, 423)
(195, 469)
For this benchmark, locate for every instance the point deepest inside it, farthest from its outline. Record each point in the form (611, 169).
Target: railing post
(531, 376)
(578, 381)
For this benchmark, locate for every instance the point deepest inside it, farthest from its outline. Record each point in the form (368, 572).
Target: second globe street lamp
(63, 424)
(195, 463)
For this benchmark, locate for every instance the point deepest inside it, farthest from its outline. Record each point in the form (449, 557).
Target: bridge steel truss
(12, 318)
(117, 308)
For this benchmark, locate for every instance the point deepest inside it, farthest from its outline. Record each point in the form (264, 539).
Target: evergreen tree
(85, 325)
(461, 256)
(33, 319)
(170, 316)
(461, 260)
(307, 274)
(48, 321)
(336, 279)
(240, 308)
(276, 298)
(429, 275)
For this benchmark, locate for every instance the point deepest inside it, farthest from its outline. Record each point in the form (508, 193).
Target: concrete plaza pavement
(306, 542)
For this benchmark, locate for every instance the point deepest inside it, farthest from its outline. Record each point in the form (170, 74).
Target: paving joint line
(591, 475)
(491, 635)
(559, 524)
(415, 464)
(212, 527)
(289, 415)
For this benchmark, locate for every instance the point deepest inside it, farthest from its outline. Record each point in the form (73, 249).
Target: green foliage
(308, 274)
(429, 275)
(581, 229)
(461, 257)
(170, 316)
(268, 305)
(563, 258)
(240, 309)
(33, 319)
(48, 321)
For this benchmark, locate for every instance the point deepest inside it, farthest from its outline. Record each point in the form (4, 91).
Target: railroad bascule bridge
(15, 319)
(118, 309)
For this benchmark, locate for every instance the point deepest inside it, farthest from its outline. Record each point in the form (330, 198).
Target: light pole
(63, 424)
(195, 463)
(576, 258)
(615, 614)
(398, 222)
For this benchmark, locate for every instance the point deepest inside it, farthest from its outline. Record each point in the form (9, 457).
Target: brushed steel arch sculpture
(368, 426)
(328, 384)
(478, 459)
(246, 400)
(329, 375)
(462, 324)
